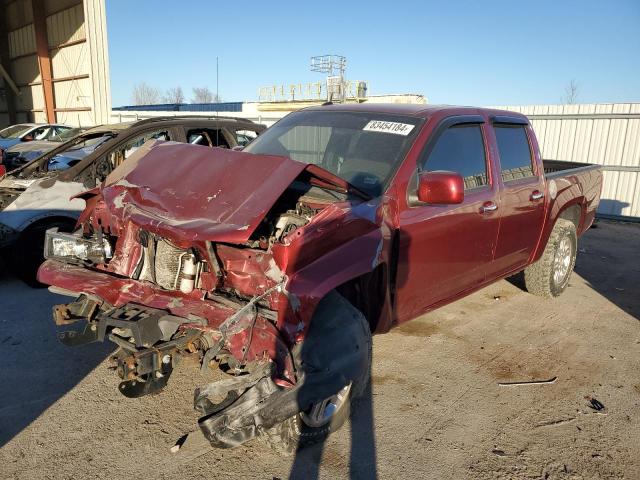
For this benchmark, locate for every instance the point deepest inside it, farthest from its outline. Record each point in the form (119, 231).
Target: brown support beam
(68, 44)
(44, 59)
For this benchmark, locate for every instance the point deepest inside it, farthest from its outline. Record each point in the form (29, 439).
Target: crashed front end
(205, 271)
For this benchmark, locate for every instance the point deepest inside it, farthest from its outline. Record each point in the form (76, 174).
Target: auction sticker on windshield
(396, 128)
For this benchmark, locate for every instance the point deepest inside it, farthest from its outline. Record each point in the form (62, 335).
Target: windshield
(74, 153)
(363, 148)
(90, 141)
(66, 135)
(14, 131)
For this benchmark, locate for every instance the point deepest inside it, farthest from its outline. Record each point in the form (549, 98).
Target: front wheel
(549, 276)
(338, 328)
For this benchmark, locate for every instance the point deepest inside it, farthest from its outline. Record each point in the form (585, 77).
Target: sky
(457, 52)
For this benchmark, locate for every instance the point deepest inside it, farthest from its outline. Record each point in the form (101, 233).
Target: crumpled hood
(188, 192)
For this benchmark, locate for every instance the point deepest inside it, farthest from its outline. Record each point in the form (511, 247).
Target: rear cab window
(460, 149)
(516, 161)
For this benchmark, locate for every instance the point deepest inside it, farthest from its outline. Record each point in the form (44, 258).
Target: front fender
(309, 285)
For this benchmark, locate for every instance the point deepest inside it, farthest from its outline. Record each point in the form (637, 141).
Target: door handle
(536, 195)
(488, 207)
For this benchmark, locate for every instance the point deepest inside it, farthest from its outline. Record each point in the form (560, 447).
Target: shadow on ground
(612, 268)
(600, 263)
(36, 370)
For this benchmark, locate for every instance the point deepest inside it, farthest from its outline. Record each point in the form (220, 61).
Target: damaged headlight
(70, 246)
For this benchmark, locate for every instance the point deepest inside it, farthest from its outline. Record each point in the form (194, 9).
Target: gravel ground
(435, 409)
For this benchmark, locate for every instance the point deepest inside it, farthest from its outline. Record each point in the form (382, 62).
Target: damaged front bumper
(233, 410)
(155, 328)
(149, 339)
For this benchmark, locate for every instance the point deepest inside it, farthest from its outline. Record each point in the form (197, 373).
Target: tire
(300, 431)
(28, 253)
(549, 276)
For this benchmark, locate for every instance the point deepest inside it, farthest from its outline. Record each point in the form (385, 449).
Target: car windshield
(14, 131)
(89, 141)
(66, 135)
(363, 148)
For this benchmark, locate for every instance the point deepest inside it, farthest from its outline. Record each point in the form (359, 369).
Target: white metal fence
(606, 134)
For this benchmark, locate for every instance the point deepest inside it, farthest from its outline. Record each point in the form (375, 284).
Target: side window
(207, 137)
(117, 156)
(40, 133)
(58, 131)
(460, 149)
(515, 154)
(243, 137)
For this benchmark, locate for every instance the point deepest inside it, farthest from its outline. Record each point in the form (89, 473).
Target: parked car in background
(276, 264)
(27, 132)
(23, 153)
(37, 196)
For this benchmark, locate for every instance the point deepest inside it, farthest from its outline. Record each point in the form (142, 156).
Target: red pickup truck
(277, 264)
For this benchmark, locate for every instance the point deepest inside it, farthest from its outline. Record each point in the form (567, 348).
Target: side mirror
(238, 148)
(440, 188)
(27, 138)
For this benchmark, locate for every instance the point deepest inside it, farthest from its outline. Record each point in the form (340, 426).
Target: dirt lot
(436, 409)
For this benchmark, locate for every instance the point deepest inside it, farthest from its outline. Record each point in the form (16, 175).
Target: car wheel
(549, 276)
(319, 420)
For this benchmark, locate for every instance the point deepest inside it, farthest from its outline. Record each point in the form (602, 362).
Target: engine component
(167, 264)
(287, 223)
(188, 273)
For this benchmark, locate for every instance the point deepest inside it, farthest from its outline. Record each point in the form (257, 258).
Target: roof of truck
(412, 109)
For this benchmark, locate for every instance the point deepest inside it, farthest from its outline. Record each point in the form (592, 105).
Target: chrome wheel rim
(562, 261)
(322, 412)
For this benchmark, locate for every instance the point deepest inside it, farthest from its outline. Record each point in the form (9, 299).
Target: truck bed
(559, 168)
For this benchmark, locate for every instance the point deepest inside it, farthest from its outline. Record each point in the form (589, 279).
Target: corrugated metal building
(54, 62)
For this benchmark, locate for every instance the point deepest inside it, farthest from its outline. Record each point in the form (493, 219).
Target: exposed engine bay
(205, 270)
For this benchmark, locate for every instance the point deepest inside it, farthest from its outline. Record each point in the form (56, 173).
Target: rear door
(444, 249)
(522, 197)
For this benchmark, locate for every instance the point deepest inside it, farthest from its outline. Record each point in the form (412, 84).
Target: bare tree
(144, 94)
(174, 95)
(204, 95)
(571, 93)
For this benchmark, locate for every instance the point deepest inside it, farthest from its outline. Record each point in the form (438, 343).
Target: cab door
(443, 250)
(522, 198)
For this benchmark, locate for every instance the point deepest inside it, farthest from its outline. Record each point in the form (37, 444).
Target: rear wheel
(550, 275)
(28, 253)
